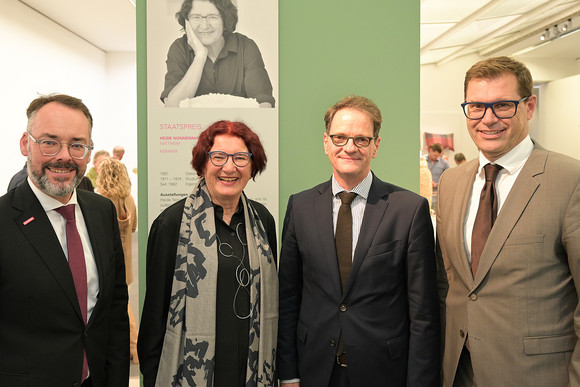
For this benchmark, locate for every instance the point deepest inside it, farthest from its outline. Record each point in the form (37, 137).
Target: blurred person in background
(459, 158)
(93, 172)
(118, 152)
(113, 183)
(18, 178)
(437, 165)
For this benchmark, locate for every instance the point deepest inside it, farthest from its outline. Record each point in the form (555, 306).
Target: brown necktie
(486, 214)
(76, 261)
(343, 237)
(343, 240)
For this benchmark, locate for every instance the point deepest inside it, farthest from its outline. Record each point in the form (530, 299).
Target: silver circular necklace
(242, 272)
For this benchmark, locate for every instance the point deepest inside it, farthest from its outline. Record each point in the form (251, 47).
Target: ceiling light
(545, 35)
(564, 27)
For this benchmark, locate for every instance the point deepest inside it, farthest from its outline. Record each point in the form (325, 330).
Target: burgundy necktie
(76, 261)
(343, 237)
(486, 214)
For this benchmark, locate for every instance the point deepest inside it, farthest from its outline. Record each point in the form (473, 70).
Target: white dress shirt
(59, 225)
(512, 163)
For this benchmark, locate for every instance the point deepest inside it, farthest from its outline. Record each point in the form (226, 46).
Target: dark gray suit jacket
(42, 333)
(389, 311)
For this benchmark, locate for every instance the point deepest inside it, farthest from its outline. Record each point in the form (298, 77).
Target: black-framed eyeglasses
(76, 150)
(219, 158)
(359, 141)
(501, 109)
(211, 18)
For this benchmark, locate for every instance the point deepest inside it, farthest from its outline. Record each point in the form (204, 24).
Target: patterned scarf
(188, 355)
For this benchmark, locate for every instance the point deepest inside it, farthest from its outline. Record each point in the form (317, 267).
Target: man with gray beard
(63, 296)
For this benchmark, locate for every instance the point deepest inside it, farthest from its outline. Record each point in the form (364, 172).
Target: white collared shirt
(512, 163)
(59, 225)
(357, 206)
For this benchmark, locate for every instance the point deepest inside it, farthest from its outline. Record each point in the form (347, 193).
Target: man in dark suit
(377, 323)
(60, 325)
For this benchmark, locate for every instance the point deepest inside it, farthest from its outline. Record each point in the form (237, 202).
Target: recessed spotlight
(565, 26)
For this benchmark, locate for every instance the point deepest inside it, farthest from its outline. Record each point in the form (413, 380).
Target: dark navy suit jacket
(388, 313)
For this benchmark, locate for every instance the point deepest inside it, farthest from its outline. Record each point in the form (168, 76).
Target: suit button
(332, 343)
(343, 308)
(473, 297)
(462, 333)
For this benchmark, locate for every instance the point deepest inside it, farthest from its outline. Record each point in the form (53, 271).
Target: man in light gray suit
(509, 314)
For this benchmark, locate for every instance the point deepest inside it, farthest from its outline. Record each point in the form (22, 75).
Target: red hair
(238, 129)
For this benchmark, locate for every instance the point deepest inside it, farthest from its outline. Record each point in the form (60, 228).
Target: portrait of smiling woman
(210, 58)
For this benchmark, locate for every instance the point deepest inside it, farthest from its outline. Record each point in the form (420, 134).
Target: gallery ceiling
(449, 28)
(109, 25)
(452, 28)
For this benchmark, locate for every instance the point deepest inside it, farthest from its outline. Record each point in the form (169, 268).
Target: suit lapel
(376, 206)
(516, 202)
(325, 231)
(94, 222)
(36, 227)
(461, 197)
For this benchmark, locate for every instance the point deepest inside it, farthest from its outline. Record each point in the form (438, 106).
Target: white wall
(441, 97)
(41, 57)
(559, 116)
(119, 123)
(556, 123)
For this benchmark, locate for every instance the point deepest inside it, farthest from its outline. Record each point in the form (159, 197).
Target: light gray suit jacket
(521, 308)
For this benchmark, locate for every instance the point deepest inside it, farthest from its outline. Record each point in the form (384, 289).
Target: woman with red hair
(210, 314)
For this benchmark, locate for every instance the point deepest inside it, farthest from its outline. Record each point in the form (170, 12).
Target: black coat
(161, 254)
(42, 333)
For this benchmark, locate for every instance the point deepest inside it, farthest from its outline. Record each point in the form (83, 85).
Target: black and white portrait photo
(211, 63)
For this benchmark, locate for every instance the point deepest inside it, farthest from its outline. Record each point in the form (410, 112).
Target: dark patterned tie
(76, 261)
(343, 237)
(343, 240)
(486, 214)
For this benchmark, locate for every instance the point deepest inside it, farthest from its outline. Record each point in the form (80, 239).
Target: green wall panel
(329, 49)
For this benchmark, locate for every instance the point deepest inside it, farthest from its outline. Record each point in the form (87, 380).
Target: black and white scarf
(188, 355)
